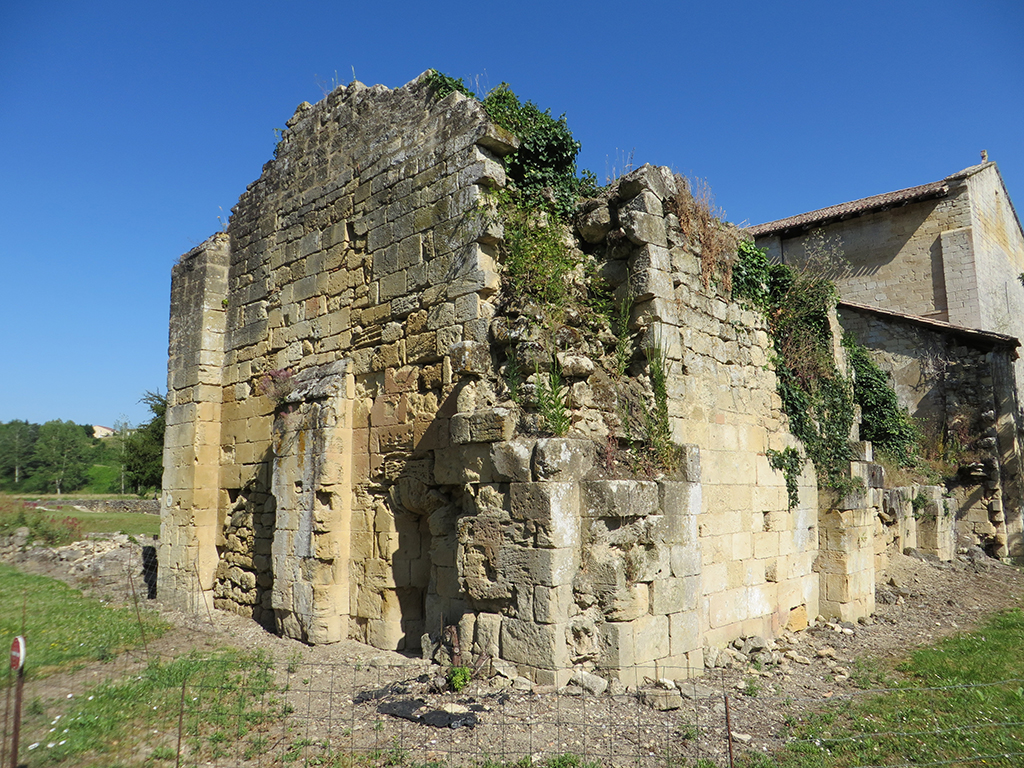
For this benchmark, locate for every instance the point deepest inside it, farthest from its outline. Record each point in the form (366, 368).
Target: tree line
(63, 457)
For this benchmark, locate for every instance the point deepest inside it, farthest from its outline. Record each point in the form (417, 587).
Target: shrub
(52, 530)
(459, 677)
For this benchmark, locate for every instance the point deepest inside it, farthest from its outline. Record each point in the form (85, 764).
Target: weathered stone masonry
(343, 457)
(933, 292)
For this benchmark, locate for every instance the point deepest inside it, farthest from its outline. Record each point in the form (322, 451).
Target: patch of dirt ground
(391, 705)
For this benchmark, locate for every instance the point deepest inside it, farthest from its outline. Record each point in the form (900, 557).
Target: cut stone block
(561, 459)
(619, 498)
(512, 460)
(487, 425)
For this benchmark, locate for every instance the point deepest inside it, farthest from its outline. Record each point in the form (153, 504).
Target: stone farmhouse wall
(911, 259)
(959, 383)
(344, 458)
(949, 252)
(998, 248)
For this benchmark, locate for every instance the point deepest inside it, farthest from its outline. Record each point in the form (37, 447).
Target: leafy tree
(17, 442)
(117, 449)
(144, 448)
(62, 454)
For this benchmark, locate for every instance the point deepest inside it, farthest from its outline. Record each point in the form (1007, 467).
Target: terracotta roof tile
(859, 207)
(991, 337)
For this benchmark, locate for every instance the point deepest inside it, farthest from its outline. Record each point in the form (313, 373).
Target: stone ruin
(345, 458)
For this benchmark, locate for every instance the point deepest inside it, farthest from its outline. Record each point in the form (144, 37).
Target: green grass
(62, 628)
(59, 524)
(228, 696)
(962, 698)
(132, 523)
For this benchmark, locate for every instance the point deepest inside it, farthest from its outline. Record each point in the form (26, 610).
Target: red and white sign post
(18, 664)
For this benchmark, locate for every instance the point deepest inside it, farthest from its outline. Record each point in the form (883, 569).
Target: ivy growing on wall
(542, 171)
(883, 421)
(816, 397)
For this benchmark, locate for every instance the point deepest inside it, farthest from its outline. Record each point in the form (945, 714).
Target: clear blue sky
(130, 127)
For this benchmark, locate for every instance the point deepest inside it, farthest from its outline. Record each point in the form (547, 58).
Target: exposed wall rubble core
(347, 458)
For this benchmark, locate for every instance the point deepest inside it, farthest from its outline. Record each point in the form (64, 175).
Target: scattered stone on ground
(767, 680)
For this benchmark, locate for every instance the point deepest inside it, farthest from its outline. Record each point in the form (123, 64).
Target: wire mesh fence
(236, 708)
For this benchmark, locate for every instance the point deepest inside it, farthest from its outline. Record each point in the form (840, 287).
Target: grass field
(960, 701)
(60, 524)
(63, 629)
(134, 524)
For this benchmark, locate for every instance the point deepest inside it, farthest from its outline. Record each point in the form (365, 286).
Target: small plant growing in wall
(551, 400)
(657, 427)
(623, 344)
(918, 504)
(276, 385)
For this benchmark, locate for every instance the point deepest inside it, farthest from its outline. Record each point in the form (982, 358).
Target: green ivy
(791, 464)
(883, 421)
(543, 170)
(546, 158)
(751, 275)
(820, 416)
(816, 397)
(442, 85)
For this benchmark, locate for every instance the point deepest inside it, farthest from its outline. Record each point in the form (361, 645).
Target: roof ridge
(864, 205)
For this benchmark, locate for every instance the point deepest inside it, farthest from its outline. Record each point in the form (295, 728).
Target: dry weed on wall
(702, 221)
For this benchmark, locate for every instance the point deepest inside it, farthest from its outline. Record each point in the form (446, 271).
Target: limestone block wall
(998, 245)
(189, 529)
(959, 384)
(349, 460)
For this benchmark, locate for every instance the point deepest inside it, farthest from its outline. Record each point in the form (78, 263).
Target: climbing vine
(816, 397)
(542, 171)
(790, 463)
(883, 421)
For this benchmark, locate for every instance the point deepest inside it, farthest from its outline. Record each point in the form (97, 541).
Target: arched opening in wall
(413, 503)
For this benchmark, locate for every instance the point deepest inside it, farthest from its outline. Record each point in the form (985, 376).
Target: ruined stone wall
(356, 243)
(189, 526)
(349, 457)
(915, 517)
(954, 384)
(755, 554)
